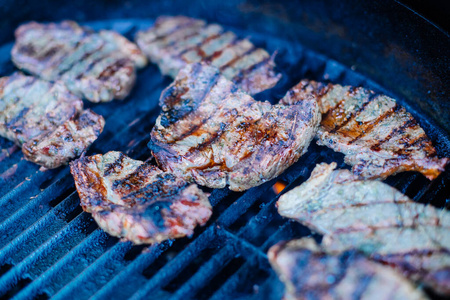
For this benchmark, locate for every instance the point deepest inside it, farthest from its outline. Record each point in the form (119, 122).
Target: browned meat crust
(46, 120)
(97, 66)
(174, 42)
(212, 132)
(309, 272)
(70, 140)
(375, 218)
(378, 137)
(137, 201)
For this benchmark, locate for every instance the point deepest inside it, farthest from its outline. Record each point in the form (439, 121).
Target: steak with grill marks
(212, 132)
(137, 201)
(97, 66)
(378, 137)
(375, 218)
(310, 272)
(46, 120)
(174, 42)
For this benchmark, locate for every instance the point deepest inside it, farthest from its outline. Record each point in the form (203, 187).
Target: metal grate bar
(33, 210)
(303, 167)
(65, 238)
(435, 189)
(207, 270)
(15, 174)
(107, 263)
(21, 194)
(218, 196)
(287, 231)
(267, 212)
(70, 264)
(240, 206)
(9, 154)
(232, 283)
(137, 266)
(40, 231)
(245, 248)
(176, 265)
(405, 181)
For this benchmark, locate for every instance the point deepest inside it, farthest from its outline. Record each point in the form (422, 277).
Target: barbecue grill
(50, 248)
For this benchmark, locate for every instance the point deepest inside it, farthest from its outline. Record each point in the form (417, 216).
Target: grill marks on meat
(70, 140)
(310, 272)
(46, 120)
(174, 42)
(378, 137)
(137, 201)
(30, 106)
(212, 132)
(375, 218)
(97, 66)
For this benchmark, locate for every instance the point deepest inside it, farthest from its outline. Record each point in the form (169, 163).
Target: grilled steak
(376, 219)
(378, 137)
(174, 42)
(214, 133)
(70, 140)
(137, 201)
(46, 120)
(97, 66)
(309, 272)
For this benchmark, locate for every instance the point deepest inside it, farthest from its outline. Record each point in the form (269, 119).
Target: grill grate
(49, 247)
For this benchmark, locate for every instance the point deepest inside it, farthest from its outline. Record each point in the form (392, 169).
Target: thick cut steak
(310, 272)
(213, 133)
(46, 120)
(174, 42)
(137, 201)
(99, 66)
(378, 137)
(375, 218)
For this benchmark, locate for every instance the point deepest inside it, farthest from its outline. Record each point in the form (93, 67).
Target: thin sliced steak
(174, 42)
(97, 66)
(46, 120)
(310, 272)
(137, 201)
(375, 218)
(378, 137)
(212, 132)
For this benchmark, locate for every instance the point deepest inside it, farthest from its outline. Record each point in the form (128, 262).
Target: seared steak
(174, 42)
(375, 218)
(46, 120)
(309, 272)
(378, 137)
(55, 148)
(97, 66)
(212, 132)
(137, 201)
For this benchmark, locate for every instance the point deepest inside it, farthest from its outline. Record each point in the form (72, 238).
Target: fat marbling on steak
(137, 201)
(375, 218)
(46, 120)
(99, 66)
(378, 137)
(174, 42)
(212, 132)
(310, 272)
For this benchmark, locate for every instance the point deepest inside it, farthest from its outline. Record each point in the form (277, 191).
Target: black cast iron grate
(50, 248)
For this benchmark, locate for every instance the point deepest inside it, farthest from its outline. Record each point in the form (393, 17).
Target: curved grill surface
(49, 247)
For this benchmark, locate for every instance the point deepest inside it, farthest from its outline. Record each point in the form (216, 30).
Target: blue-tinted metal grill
(50, 247)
